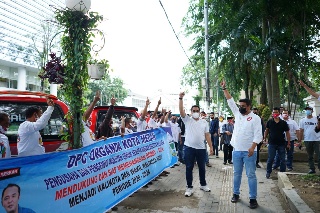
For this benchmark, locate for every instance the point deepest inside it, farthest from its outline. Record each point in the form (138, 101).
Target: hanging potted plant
(97, 68)
(54, 70)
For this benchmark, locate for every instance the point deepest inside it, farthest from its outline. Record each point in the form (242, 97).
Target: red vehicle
(15, 103)
(98, 114)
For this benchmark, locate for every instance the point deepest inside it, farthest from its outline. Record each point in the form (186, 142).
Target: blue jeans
(272, 149)
(276, 163)
(241, 158)
(190, 154)
(215, 141)
(180, 151)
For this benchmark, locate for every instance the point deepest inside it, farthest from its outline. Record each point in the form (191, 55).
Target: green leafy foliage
(76, 45)
(266, 112)
(311, 177)
(109, 87)
(263, 46)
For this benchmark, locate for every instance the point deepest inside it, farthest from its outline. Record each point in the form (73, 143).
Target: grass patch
(311, 177)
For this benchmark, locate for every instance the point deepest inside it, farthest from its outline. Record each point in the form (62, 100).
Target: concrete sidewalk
(167, 194)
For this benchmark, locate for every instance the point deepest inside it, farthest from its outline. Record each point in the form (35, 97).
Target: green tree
(109, 87)
(258, 43)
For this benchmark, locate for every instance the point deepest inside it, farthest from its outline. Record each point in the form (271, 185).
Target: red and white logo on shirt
(249, 118)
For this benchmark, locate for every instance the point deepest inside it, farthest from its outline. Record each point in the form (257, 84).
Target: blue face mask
(308, 112)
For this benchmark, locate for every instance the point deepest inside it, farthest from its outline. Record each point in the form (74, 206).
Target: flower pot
(96, 71)
(79, 5)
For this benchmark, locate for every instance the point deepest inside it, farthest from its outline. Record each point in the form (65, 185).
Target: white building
(21, 38)
(169, 101)
(135, 100)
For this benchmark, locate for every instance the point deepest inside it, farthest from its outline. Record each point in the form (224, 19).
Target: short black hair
(246, 100)
(10, 185)
(211, 113)
(31, 110)
(276, 108)
(3, 116)
(195, 106)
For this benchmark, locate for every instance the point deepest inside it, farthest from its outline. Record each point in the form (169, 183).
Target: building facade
(26, 32)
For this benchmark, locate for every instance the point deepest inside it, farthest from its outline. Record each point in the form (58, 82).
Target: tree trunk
(263, 97)
(247, 80)
(275, 84)
(268, 84)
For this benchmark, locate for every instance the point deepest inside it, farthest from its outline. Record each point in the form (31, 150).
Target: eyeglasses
(195, 110)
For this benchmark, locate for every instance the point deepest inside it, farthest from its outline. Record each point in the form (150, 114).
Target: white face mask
(195, 115)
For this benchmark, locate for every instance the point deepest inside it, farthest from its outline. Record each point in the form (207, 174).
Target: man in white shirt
(125, 126)
(4, 142)
(175, 130)
(88, 137)
(197, 130)
(154, 121)
(142, 123)
(29, 138)
(247, 134)
(221, 123)
(310, 137)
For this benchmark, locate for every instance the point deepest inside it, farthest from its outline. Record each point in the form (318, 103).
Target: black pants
(258, 151)
(227, 152)
(221, 141)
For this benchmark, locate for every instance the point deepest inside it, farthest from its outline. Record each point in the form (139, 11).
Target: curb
(287, 190)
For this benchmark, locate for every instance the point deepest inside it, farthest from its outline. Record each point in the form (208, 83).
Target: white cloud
(140, 44)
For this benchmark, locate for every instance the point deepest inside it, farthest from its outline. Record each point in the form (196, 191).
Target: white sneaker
(188, 192)
(205, 188)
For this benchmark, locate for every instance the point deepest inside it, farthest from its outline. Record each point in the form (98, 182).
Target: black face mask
(242, 110)
(173, 120)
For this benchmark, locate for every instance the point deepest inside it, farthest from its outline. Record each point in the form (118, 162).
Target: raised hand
(148, 102)
(97, 96)
(50, 101)
(181, 95)
(223, 84)
(302, 83)
(159, 102)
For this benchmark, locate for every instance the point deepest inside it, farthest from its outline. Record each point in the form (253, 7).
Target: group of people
(241, 137)
(240, 144)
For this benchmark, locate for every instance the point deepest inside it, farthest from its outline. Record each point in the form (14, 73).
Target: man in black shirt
(276, 128)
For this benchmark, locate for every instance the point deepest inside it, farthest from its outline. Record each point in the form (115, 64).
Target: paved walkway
(167, 194)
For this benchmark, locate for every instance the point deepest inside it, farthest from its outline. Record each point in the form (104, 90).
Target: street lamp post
(76, 45)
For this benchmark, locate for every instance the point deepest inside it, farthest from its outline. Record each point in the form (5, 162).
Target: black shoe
(258, 166)
(268, 175)
(230, 163)
(115, 208)
(224, 163)
(235, 198)
(253, 204)
(312, 171)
